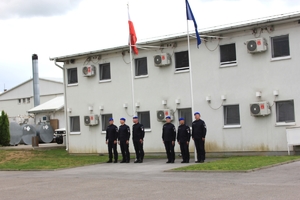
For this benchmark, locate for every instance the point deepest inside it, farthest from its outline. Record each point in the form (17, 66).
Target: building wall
(253, 72)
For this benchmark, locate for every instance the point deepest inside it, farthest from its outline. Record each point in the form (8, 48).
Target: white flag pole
(131, 66)
(191, 79)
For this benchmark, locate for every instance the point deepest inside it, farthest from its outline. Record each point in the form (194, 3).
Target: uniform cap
(196, 113)
(123, 119)
(135, 117)
(181, 118)
(168, 117)
(111, 119)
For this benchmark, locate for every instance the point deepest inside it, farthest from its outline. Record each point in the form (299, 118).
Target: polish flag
(132, 35)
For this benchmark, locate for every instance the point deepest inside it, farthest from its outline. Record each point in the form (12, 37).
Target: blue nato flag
(190, 16)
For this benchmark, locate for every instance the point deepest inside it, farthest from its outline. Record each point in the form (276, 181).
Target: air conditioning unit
(162, 114)
(91, 120)
(162, 59)
(257, 45)
(260, 109)
(89, 70)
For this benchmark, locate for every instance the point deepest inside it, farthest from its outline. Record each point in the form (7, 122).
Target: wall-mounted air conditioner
(256, 45)
(89, 70)
(162, 114)
(260, 109)
(91, 120)
(162, 59)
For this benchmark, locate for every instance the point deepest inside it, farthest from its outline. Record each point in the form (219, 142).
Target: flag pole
(191, 79)
(132, 72)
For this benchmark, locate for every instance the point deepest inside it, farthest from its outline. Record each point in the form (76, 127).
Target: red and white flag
(132, 35)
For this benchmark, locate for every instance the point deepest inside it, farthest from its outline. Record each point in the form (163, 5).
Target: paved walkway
(149, 181)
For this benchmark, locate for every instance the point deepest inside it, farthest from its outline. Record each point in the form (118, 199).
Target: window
(285, 111)
(144, 118)
(28, 100)
(231, 115)
(228, 54)
(280, 46)
(104, 70)
(141, 67)
(186, 113)
(74, 124)
(105, 120)
(72, 76)
(181, 60)
(24, 100)
(19, 101)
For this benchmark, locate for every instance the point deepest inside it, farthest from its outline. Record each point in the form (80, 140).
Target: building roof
(56, 80)
(50, 106)
(213, 31)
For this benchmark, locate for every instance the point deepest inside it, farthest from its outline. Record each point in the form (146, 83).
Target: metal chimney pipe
(35, 75)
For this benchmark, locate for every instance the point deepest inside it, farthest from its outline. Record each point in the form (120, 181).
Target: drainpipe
(65, 107)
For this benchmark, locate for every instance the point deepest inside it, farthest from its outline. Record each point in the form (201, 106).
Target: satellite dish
(251, 45)
(157, 59)
(255, 109)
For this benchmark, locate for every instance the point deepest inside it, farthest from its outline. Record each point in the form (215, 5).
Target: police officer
(138, 134)
(123, 137)
(111, 140)
(198, 135)
(183, 139)
(169, 137)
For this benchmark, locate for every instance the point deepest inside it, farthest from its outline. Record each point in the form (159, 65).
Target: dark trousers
(125, 150)
(200, 148)
(139, 150)
(184, 148)
(112, 147)
(170, 150)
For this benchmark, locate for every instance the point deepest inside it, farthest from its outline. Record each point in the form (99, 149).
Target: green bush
(4, 129)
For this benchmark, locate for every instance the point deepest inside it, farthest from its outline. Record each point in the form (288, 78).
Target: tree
(4, 129)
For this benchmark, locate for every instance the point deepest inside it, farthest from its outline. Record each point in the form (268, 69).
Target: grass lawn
(45, 159)
(241, 163)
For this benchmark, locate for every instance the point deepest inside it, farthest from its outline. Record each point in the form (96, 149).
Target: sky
(52, 28)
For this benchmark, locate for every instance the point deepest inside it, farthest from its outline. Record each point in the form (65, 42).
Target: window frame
(139, 114)
(182, 68)
(273, 56)
(72, 131)
(101, 66)
(104, 121)
(291, 122)
(231, 62)
(136, 63)
(225, 116)
(186, 120)
(69, 71)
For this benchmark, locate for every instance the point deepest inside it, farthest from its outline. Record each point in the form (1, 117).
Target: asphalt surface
(149, 181)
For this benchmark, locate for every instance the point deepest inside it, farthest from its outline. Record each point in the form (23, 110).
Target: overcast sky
(53, 28)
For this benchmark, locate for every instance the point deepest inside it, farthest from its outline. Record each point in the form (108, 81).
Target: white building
(255, 62)
(19, 99)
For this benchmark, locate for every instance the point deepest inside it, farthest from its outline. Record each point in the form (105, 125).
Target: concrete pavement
(149, 181)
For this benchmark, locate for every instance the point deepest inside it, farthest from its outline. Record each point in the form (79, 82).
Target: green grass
(45, 160)
(238, 163)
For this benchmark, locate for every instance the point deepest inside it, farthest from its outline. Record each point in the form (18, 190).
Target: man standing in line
(169, 137)
(123, 137)
(111, 140)
(138, 134)
(183, 139)
(198, 135)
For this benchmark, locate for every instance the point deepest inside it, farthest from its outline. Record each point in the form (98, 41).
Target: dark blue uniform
(169, 137)
(183, 138)
(138, 134)
(199, 132)
(123, 137)
(111, 137)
